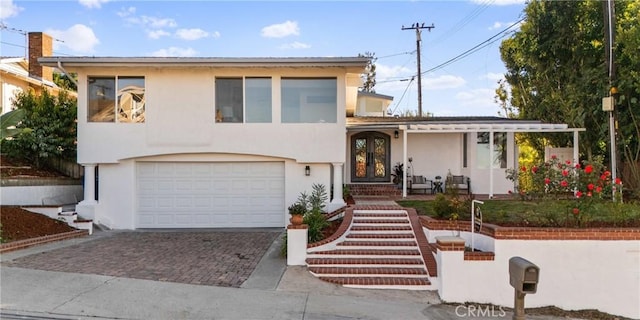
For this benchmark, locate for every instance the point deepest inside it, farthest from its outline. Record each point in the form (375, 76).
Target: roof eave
(349, 62)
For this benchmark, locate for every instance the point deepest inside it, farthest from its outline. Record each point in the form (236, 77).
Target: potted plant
(297, 211)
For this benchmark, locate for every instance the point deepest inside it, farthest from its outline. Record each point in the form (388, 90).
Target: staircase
(379, 251)
(66, 213)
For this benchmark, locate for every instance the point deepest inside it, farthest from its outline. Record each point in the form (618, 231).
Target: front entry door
(370, 157)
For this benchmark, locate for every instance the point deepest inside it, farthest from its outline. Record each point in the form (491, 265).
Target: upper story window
(243, 100)
(116, 99)
(306, 100)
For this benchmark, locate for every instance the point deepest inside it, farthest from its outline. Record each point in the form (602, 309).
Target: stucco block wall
(574, 274)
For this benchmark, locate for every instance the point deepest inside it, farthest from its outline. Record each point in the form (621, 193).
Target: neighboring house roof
(19, 68)
(455, 124)
(374, 95)
(358, 62)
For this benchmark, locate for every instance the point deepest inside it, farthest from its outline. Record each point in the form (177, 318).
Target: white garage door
(210, 194)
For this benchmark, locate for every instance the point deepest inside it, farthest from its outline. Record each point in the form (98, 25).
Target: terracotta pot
(296, 219)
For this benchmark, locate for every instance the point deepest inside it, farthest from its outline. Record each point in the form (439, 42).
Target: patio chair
(460, 183)
(420, 183)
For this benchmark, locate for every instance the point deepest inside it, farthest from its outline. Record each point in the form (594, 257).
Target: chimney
(40, 45)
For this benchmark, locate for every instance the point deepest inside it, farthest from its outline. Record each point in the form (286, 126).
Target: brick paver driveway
(219, 258)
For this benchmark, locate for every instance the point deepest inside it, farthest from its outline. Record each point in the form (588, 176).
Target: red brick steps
(379, 250)
(380, 282)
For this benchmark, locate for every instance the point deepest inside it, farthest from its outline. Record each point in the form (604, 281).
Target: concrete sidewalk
(273, 291)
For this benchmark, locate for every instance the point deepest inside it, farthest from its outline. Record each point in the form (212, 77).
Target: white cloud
(498, 2)
(295, 45)
(443, 82)
(175, 52)
(476, 97)
(157, 34)
(215, 34)
(281, 30)
(79, 38)
(497, 25)
(126, 12)
(493, 76)
(91, 4)
(154, 22)
(8, 9)
(191, 34)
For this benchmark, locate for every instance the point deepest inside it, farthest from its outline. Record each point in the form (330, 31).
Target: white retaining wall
(574, 274)
(33, 195)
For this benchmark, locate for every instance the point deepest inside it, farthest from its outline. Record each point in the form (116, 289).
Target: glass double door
(370, 157)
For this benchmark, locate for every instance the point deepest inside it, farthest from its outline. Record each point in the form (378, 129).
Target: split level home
(231, 142)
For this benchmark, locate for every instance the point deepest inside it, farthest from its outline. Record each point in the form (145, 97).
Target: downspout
(67, 73)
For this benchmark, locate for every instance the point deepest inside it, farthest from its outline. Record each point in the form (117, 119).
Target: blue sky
(293, 29)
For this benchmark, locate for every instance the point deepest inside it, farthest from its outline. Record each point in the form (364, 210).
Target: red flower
(576, 211)
(589, 194)
(547, 180)
(554, 157)
(607, 173)
(564, 183)
(603, 177)
(565, 173)
(599, 189)
(534, 169)
(618, 181)
(578, 194)
(588, 168)
(578, 166)
(590, 186)
(510, 192)
(523, 169)
(568, 162)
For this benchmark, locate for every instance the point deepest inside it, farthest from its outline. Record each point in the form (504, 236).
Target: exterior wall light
(396, 134)
(307, 171)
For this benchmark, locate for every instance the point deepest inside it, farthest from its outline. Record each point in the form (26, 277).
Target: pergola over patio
(515, 127)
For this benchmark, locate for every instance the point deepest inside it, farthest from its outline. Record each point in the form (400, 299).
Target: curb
(21, 244)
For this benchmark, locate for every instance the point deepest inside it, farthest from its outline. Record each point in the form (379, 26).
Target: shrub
(441, 206)
(584, 184)
(52, 124)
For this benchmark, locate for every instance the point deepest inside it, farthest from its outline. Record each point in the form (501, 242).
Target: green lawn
(547, 213)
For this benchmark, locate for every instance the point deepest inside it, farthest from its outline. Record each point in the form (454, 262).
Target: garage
(210, 194)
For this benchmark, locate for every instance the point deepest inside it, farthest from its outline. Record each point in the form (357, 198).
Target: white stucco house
(231, 142)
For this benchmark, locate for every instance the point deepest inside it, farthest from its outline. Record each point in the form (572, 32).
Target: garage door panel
(244, 194)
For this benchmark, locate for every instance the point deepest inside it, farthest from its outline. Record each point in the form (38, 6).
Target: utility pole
(609, 105)
(418, 27)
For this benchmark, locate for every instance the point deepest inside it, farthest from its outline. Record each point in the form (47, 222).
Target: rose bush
(583, 184)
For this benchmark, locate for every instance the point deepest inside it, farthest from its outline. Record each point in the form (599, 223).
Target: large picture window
(499, 157)
(116, 99)
(243, 100)
(309, 100)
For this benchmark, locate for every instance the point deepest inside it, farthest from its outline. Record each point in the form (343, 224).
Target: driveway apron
(204, 257)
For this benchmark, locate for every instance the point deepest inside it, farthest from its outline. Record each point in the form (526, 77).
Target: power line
(405, 91)
(463, 22)
(477, 47)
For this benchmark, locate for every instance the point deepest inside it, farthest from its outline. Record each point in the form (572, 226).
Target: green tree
(52, 120)
(65, 82)
(369, 77)
(556, 70)
(9, 121)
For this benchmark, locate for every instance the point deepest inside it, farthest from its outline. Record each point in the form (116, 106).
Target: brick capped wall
(526, 233)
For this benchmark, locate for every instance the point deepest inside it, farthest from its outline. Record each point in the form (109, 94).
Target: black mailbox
(523, 275)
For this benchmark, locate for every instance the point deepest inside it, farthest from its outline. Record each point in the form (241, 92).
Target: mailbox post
(523, 277)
